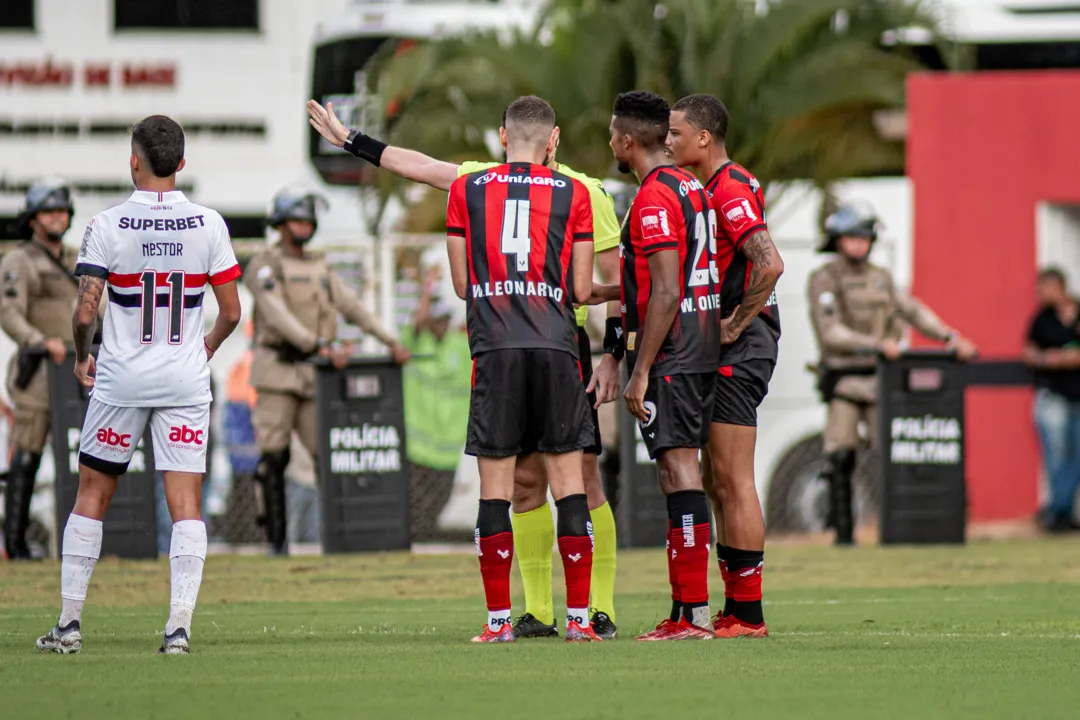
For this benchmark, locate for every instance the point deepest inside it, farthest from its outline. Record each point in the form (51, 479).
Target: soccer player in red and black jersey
(671, 326)
(749, 266)
(521, 250)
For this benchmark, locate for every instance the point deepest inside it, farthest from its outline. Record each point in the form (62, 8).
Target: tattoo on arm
(765, 271)
(90, 289)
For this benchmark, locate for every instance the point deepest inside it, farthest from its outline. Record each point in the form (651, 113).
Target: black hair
(160, 140)
(1053, 273)
(705, 112)
(644, 116)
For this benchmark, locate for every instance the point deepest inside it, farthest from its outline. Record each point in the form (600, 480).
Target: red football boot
(663, 631)
(576, 633)
(720, 620)
(736, 628)
(505, 635)
(687, 631)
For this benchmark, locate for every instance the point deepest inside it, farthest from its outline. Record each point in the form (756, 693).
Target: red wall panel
(982, 150)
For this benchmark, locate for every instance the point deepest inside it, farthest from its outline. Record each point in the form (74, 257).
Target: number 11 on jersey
(174, 301)
(515, 232)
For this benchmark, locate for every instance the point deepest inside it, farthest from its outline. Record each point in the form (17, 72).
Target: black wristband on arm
(614, 342)
(364, 147)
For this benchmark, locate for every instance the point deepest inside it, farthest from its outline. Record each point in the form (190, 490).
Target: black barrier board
(130, 526)
(921, 440)
(363, 482)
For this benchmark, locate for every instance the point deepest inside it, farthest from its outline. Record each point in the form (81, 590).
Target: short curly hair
(160, 141)
(643, 116)
(705, 113)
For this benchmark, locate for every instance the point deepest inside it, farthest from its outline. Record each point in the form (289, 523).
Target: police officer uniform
(36, 304)
(297, 302)
(854, 307)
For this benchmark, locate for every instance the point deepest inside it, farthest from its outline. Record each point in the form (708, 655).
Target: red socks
(689, 541)
(692, 562)
(495, 548)
(577, 556)
(576, 549)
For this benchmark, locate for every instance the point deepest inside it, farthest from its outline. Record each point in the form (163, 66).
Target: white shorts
(110, 435)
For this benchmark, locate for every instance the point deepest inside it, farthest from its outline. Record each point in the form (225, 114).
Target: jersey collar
(144, 197)
(655, 170)
(719, 170)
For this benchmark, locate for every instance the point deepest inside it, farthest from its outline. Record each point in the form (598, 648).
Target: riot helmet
(852, 219)
(46, 194)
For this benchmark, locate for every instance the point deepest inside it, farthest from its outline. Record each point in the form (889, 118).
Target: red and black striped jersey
(671, 212)
(520, 221)
(739, 203)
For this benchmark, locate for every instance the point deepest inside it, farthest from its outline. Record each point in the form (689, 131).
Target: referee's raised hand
(325, 121)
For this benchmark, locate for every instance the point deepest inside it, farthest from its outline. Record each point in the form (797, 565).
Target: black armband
(614, 342)
(364, 147)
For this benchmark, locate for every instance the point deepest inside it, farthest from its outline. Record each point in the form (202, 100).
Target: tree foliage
(802, 80)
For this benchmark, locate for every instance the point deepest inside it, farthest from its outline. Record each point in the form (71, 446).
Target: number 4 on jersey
(150, 303)
(515, 232)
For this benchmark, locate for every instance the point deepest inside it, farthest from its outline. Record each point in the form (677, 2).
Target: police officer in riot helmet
(36, 303)
(858, 313)
(298, 298)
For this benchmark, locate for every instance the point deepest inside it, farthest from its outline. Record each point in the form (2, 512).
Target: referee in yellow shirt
(534, 527)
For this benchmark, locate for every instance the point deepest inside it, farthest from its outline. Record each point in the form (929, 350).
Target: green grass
(984, 631)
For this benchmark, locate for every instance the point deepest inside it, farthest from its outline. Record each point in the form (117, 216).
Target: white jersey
(158, 252)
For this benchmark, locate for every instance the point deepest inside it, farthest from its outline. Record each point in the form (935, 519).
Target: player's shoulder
(108, 218)
(735, 176)
(210, 216)
(671, 182)
(472, 166)
(477, 174)
(580, 183)
(590, 183)
(738, 173)
(666, 174)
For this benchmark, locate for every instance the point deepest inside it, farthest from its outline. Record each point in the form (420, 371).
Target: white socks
(81, 549)
(498, 618)
(187, 554)
(578, 615)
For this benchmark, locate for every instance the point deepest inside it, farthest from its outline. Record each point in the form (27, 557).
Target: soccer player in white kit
(156, 252)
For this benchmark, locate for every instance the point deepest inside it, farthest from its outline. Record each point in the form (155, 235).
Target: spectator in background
(1053, 350)
(436, 386)
(302, 495)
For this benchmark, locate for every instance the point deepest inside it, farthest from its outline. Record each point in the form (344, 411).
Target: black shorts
(585, 354)
(527, 399)
(679, 409)
(740, 388)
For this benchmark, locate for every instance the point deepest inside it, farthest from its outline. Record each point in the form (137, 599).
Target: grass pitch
(984, 631)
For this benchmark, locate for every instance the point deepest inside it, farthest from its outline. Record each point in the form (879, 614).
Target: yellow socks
(603, 568)
(534, 538)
